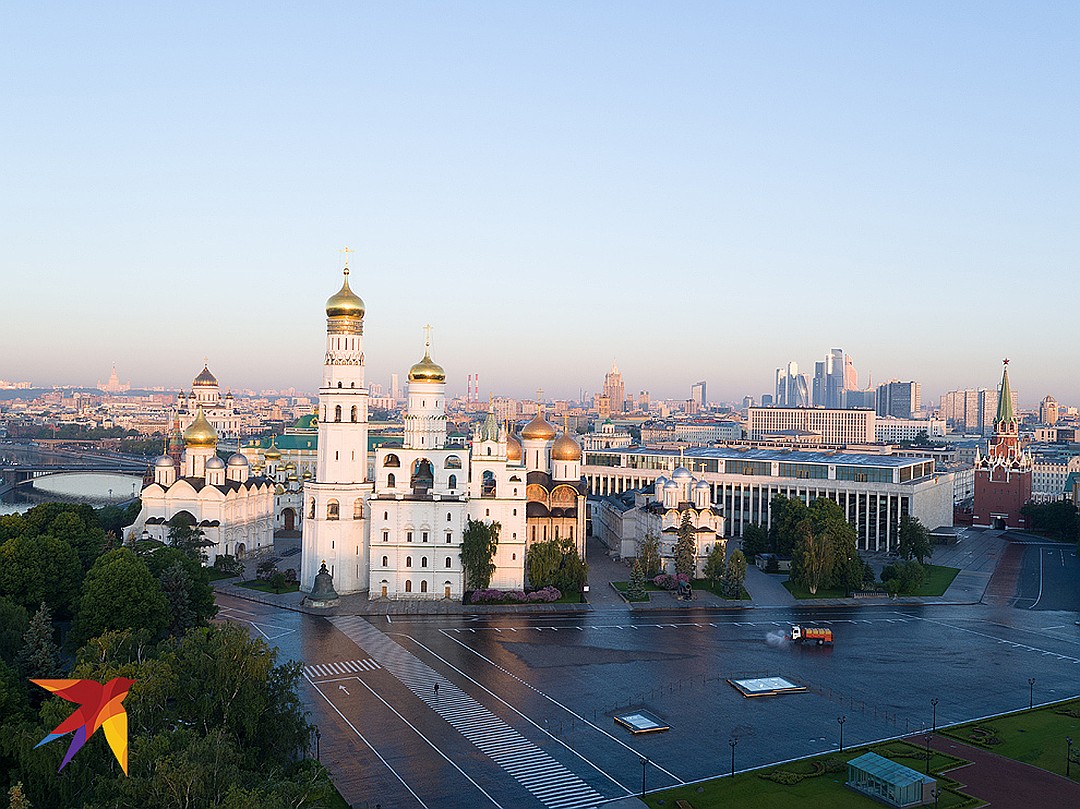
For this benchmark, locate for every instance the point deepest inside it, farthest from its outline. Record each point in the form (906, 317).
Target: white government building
(399, 536)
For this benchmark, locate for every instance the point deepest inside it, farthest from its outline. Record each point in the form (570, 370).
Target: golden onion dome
(205, 379)
(345, 302)
(272, 452)
(539, 429)
(427, 370)
(566, 448)
(200, 433)
(513, 448)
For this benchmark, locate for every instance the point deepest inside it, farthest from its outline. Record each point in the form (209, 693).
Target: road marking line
(365, 741)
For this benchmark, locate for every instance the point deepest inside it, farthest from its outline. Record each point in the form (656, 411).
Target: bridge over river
(24, 465)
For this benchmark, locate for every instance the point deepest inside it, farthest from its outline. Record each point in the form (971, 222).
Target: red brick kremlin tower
(1003, 476)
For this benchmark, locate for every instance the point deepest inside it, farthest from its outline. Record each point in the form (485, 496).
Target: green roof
(1005, 408)
(888, 770)
(308, 422)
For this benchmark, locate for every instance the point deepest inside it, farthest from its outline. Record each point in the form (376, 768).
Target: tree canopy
(120, 593)
(478, 546)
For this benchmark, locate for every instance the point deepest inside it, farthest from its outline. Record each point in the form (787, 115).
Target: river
(96, 488)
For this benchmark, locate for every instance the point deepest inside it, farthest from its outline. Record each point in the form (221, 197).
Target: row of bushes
(545, 595)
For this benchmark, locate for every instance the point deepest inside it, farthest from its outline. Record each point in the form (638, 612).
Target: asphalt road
(1049, 578)
(523, 716)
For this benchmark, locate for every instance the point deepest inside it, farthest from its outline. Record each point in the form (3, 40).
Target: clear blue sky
(700, 190)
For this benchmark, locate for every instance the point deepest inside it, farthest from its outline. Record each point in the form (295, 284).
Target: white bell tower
(335, 508)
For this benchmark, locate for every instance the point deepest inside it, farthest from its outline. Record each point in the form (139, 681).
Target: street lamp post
(317, 737)
(933, 704)
(840, 720)
(1068, 755)
(935, 793)
(644, 764)
(733, 741)
(1031, 693)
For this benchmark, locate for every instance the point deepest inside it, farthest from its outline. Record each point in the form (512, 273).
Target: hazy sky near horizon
(698, 190)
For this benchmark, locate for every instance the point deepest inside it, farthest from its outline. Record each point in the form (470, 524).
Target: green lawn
(799, 591)
(937, 580)
(1033, 737)
(624, 586)
(266, 588)
(821, 785)
(217, 575)
(703, 584)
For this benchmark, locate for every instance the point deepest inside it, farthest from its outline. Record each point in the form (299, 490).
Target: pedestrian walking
(436, 689)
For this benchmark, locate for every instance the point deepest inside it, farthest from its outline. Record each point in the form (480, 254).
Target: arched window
(448, 516)
(386, 515)
(391, 460)
(453, 462)
(337, 413)
(332, 510)
(556, 533)
(408, 561)
(487, 485)
(339, 385)
(385, 561)
(423, 561)
(449, 562)
(446, 590)
(358, 509)
(423, 476)
(423, 587)
(571, 532)
(391, 481)
(452, 482)
(408, 586)
(488, 451)
(311, 509)
(354, 413)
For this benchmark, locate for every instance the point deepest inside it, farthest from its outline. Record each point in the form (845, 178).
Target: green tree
(36, 569)
(199, 595)
(73, 530)
(812, 562)
(277, 581)
(176, 585)
(649, 554)
(39, 656)
(543, 560)
(914, 539)
(120, 593)
(715, 566)
(755, 540)
(635, 590)
(478, 546)
(573, 572)
(13, 624)
(786, 516)
(17, 798)
(187, 537)
(734, 574)
(685, 548)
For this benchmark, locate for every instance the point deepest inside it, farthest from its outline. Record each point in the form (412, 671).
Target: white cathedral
(399, 535)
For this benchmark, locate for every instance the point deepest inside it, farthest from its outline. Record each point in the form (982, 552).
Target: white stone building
(622, 522)
(234, 509)
(397, 532)
(205, 394)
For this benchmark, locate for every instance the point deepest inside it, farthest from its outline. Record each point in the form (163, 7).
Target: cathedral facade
(397, 531)
(233, 508)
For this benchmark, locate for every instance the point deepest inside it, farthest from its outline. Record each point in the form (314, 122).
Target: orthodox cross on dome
(346, 251)
(427, 335)
(539, 395)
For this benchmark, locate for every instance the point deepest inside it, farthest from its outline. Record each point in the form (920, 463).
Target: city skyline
(744, 180)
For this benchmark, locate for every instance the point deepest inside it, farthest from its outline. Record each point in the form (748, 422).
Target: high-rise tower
(334, 528)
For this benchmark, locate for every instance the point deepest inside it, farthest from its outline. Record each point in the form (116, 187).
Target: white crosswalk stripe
(549, 781)
(317, 670)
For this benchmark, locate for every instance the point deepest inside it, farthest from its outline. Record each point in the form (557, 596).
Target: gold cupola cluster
(205, 379)
(345, 302)
(200, 433)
